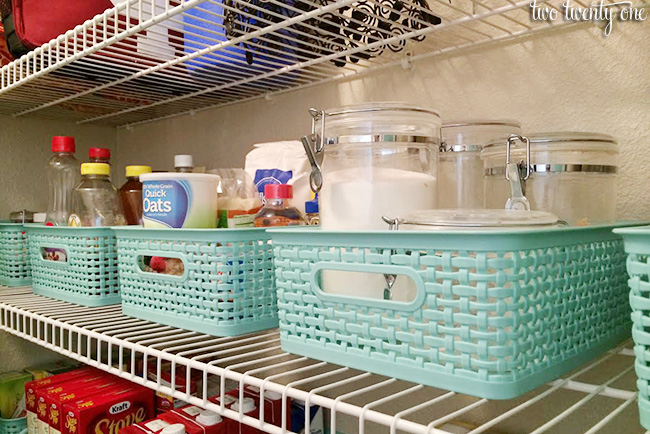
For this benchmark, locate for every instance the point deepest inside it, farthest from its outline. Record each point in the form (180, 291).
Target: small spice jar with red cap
(278, 210)
(99, 155)
(63, 144)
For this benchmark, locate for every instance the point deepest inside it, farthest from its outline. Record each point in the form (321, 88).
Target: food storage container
(460, 180)
(572, 175)
(456, 219)
(371, 160)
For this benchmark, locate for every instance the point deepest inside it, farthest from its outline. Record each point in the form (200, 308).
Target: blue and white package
(179, 200)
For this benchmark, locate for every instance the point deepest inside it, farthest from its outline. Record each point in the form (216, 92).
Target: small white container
(572, 175)
(179, 200)
(460, 169)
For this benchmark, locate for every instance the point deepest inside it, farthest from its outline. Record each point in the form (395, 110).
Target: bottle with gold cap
(131, 194)
(97, 202)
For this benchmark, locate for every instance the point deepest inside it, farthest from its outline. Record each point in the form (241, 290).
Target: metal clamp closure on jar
(314, 143)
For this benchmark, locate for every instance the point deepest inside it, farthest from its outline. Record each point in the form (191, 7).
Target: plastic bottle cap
(278, 191)
(311, 207)
(95, 169)
(63, 144)
(247, 405)
(183, 161)
(133, 171)
(176, 428)
(208, 418)
(40, 217)
(103, 153)
(273, 396)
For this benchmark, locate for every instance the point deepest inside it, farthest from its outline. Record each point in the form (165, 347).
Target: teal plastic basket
(87, 275)
(225, 287)
(15, 269)
(13, 426)
(637, 246)
(493, 314)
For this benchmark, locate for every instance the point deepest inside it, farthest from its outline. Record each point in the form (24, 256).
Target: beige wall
(571, 80)
(25, 148)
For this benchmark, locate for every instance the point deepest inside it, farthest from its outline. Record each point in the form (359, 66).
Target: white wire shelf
(597, 398)
(147, 60)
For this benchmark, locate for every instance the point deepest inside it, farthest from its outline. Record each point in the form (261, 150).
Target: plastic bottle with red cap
(63, 175)
(99, 155)
(278, 210)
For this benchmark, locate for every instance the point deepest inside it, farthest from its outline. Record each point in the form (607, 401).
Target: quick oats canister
(179, 200)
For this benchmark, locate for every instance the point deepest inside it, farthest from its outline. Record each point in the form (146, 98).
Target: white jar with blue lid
(179, 200)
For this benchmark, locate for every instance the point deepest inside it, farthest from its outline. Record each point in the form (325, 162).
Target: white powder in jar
(356, 199)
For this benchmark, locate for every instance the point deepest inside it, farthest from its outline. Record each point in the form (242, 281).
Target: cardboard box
(55, 403)
(109, 413)
(12, 394)
(44, 397)
(33, 386)
(196, 420)
(166, 402)
(272, 405)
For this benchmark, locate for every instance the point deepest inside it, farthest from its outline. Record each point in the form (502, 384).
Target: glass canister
(571, 174)
(371, 160)
(460, 180)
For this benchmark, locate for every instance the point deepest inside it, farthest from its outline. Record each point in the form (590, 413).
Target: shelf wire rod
(508, 17)
(252, 372)
(83, 319)
(300, 65)
(181, 348)
(373, 69)
(551, 423)
(368, 406)
(455, 414)
(484, 21)
(607, 419)
(401, 414)
(119, 324)
(560, 383)
(188, 352)
(263, 346)
(56, 44)
(150, 330)
(295, 20)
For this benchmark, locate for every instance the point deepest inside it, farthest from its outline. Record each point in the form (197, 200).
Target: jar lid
(375, 107)
(133, 171)
(95, 169)
(103, 153)
(557, 141)
(475, 218)
(278, 191)
(63, 144)
(183, 160)
(472, 135)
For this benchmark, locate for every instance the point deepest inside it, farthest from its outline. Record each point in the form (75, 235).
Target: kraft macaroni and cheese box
(33, 386)
(179, 200)
(108, 413)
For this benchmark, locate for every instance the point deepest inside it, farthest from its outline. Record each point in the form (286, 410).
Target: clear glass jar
(377, 159)
(572, 175)
(460, 180)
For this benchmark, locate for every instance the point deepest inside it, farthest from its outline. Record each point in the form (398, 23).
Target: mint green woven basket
(87, 275)
(225, 287)
(494, 313)
(13, 426)
(637, 246)
(15, 269)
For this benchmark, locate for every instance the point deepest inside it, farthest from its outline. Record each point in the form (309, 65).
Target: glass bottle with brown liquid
(131, 194)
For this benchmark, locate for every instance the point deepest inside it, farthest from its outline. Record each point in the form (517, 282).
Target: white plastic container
(179, 200)
(572, 175)
(460, 169)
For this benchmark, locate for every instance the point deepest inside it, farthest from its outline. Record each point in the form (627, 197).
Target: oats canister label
(179, 200)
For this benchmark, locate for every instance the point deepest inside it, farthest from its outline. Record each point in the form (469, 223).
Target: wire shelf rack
(147, 60)
(599, 397)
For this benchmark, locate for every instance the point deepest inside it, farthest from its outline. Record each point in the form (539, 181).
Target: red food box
(33, 386)
(249, 408)
(166, 402)
(110, 412)
(272, 404)
(230, 397)
(44, 395)
(104, 385)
